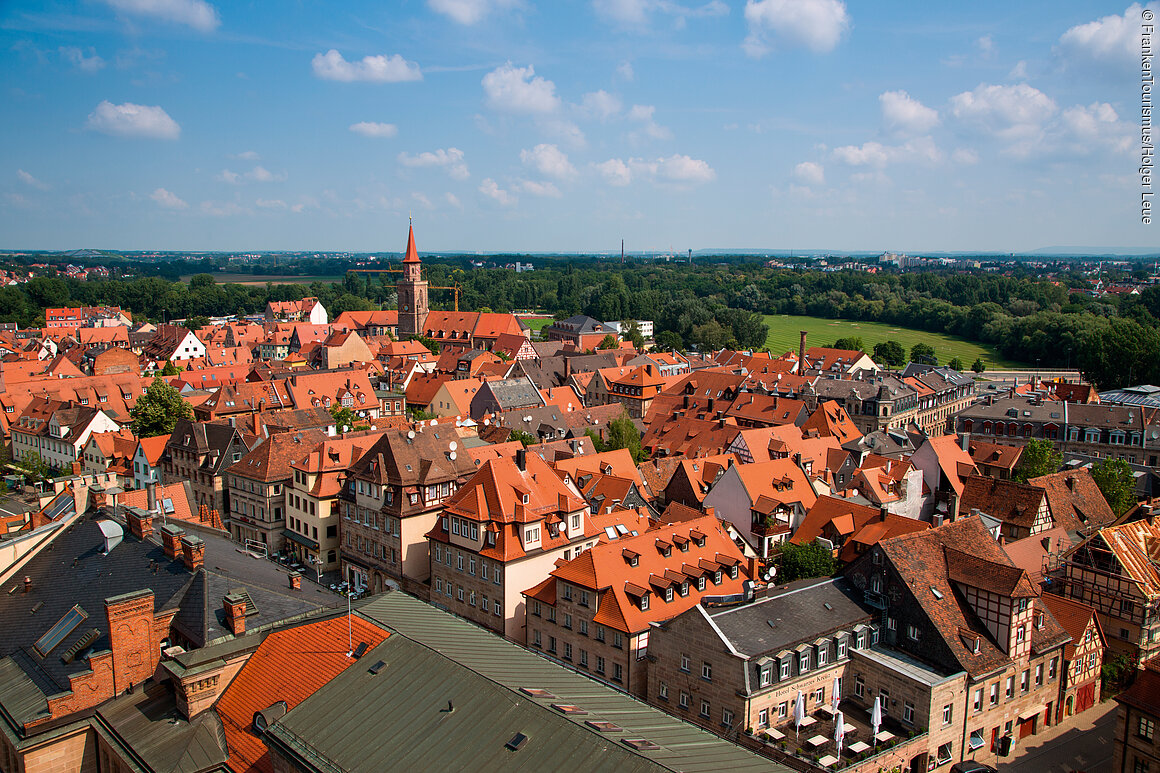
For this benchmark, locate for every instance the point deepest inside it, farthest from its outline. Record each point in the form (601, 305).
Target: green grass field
(536, 323)
(784, 336)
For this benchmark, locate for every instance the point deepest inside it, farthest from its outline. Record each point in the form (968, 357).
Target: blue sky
(569, 125)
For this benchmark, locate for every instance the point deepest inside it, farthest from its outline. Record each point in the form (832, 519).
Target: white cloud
(1094, 125)
(1012, 113)
(1111, 40)
(376, 69)
(270, 204)
(636, 13)
(372, 129)
(130, 120)
(167, 199)
(566, 130)
(816, 24)
(549, 160)
(246, 155)
(520, 90)
(878, 156)
(451, 159)
(422, 200)
(259, 174)
(810, 173)
(453, 200)
(965, 156)
(76, 57)
(615, 172)
(600, 105)
(194, 13)
(986, 46)
(905, 114)
(491, 189)
(625, 71)
(469, 11)
(540, 188)
(31, 181)
(222, 208)
(676, 168)
(1019, 71)
(643, 114)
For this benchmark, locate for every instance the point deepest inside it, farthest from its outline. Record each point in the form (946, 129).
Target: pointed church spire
(412, 255)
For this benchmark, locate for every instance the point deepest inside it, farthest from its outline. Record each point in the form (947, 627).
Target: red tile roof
(290, 665)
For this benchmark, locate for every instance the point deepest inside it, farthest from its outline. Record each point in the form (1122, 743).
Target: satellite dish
(411, 434)
(434, 422)
(453, 456)
(452, 445)
(486, 422)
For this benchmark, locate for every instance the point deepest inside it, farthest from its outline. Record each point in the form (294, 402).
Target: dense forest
(1115, 340)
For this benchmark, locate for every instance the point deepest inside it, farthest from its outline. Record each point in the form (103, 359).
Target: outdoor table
(858, 747)
(883, 737)
(828, 710)
(818, 740)
(848, 728)
(807, 721)
(827, 761)
(775, 734)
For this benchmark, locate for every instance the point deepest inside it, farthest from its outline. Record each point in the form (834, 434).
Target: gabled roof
(995, 454)
(1136, 546)
(861, 526)
(1075, 500)
(830, 418)
(270, 460)
(153, 448)
(1013, 503)
(779, 479)
(1075, 617)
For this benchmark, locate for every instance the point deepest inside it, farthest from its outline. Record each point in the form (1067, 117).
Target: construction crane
(454, 289)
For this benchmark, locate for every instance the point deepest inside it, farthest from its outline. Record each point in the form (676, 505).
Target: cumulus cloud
(77, 58)
(469, 12)
(677, 168)
(375, 69)
(810, 173)
(540, 188)
(453, 200)
(167, 199)
(377, 130)
(637, 13)
(519, 90)
(815, 24)
(643, 114)
(549, 160)
(905, 114)
(1110, 40)
(194, 13)
(600, 105)
(1095, 125)
(130, 120)
(259, 174)
(1011, 113)
(965, 156)
(450, 159)
(878, 156)
(31, 181)
(624, 70)
(491, 189)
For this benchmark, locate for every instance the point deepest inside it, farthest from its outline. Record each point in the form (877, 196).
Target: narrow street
(1080, 745)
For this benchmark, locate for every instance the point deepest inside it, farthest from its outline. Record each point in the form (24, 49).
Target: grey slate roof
(435, 661)
(795, 615)
(148, 722)
(512, 393)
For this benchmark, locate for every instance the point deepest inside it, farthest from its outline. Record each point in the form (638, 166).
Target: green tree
(924, 354)
(37, 468)
(1117, 483)
(346, 420)
(622, 433)
(526, 438)
(978, 365)
(156, 412)
(1039, 457)
(608, 342)
(669, 341)
(632, 333)
(196, 322)
(890, 353)
(432, 345)
(956, 364)
(797, 562)
(851, 343)
(170, 369)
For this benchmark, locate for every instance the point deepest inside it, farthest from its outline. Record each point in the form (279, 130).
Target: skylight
(47, 643)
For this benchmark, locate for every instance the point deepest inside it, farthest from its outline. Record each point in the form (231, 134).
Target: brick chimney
(522, 459)
(802, 353)
(171, 540)
(140, 523)
(151, 496)
(192, 552)
(235, 609)
(295, 581)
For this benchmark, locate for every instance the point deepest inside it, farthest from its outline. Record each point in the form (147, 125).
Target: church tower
(412, 291)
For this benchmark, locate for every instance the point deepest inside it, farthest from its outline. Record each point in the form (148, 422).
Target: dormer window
(685, 588)
(669, 593)
(524, 499)
(644, 603)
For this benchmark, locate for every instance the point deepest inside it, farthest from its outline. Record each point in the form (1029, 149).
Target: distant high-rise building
(412, 289)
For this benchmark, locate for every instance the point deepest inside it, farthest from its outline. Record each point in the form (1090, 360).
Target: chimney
(802, 353)
(140, 524)
(151, 495)
(171, 540)
(965, 442)
(685, 403)
(295, 581)
(192, 552)
(27, 584)
(522, 459)
(235, 609)
(709, 406)
(711, 511)
(562, 503)
(567, 368)
(1070, 482)
(648, 369)
(752, 567)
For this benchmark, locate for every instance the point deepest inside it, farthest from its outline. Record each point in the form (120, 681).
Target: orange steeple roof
(412, 254)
